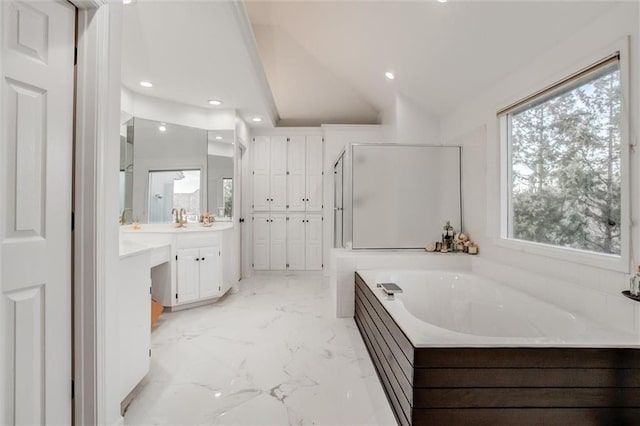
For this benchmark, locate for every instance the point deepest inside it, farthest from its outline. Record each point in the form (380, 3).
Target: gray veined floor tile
(269, 354)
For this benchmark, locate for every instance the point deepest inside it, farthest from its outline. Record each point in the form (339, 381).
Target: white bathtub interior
(459, 308)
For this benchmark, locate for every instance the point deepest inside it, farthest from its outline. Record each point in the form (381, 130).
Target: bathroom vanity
(189, 266)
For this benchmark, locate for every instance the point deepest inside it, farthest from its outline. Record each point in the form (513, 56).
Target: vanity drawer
(198, 239)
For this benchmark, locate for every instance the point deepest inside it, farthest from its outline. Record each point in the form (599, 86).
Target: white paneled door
(278, 187)
(296, 179)
(296, 225)
(36, 149)
(314, 174)
(278, 242)
(210, 272)
(314, 242)
(261, 176)
(261, 240)
(188, 275)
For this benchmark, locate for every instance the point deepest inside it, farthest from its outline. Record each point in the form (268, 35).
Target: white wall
(474, 125)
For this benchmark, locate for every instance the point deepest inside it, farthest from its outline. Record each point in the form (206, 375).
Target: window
(175, 189)
(227, 194)
(564, 163)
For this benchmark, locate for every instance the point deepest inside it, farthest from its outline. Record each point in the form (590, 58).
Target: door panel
(209, 272)
(314, 242)
(36, 92)
(278, 246)
(296, 188)
(261, 241)
(314, 173)
(261, 192)
(278, 189)
(188, 280)
(338, 202)
(261, 173)
(296, 242)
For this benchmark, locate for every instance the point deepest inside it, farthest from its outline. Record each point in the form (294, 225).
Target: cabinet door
(278, 246)
(314, 173)
(296, 242)
(314, 242)
(261, 241)
(261, 178)
(278, 183)
(188, 281)
(296, 179)
(209, 272)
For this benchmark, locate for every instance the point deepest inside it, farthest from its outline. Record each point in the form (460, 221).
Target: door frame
(97, 110)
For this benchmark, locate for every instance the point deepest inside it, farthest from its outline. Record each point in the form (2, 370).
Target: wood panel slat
(395, 351)
(526, 358)
(525, 377)
(386, 361)
(398, 335)
(401, 417)
(527, 417)
(526, 397)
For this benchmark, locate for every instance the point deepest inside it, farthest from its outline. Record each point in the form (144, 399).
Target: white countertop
(130, 248)
(171, 228)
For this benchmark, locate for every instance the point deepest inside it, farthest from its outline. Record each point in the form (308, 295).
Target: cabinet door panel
(278, 181)
(209, 272)
(261, 155)
(296, 242)
(314, 173)
(296, 179)
(187, 275)
(278, 246)
(261, 241)
(314, 242)
(261, 194)
(261, 177)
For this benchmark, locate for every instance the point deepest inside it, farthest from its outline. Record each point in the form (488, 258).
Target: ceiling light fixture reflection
(215, 102)
(163, 127)
(218, 138)
(257, 119)
(146, 84)
(389, 75)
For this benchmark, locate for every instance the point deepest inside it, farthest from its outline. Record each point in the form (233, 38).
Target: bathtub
(453, 308)
(455, 348)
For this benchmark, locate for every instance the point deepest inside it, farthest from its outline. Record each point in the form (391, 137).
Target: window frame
(619, 263)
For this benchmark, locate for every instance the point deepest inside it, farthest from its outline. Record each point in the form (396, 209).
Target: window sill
(596, 260)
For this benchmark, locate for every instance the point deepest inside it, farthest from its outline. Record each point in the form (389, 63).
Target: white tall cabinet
(287, 202)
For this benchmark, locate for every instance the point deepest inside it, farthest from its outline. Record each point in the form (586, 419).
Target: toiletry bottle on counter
(634, 283)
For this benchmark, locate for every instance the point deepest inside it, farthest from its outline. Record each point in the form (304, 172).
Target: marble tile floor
(270, 353)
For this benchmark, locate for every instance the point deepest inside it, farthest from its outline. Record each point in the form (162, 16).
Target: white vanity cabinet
(198, 274)
(199, 266)
(304, 180)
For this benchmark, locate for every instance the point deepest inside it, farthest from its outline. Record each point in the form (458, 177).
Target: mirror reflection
(168, 168)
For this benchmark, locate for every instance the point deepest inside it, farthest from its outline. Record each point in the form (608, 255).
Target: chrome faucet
(183, 215)
(390, 289)
(174, 215)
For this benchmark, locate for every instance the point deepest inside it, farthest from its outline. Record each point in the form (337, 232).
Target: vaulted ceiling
(325, 60)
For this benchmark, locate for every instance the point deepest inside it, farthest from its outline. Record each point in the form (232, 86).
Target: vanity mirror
(173, 168)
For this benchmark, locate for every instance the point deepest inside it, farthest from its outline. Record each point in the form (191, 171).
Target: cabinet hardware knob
(202, 258)
(303, 199)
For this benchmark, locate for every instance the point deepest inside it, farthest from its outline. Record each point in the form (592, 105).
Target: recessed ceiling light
(162, 128)
(389, 75)
(146, 84)
(125, 2)
(218, 138)
(257, 119)
(442, 1)
(215, 102)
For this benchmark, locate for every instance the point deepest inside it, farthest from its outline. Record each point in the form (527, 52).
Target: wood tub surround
(497, 386)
